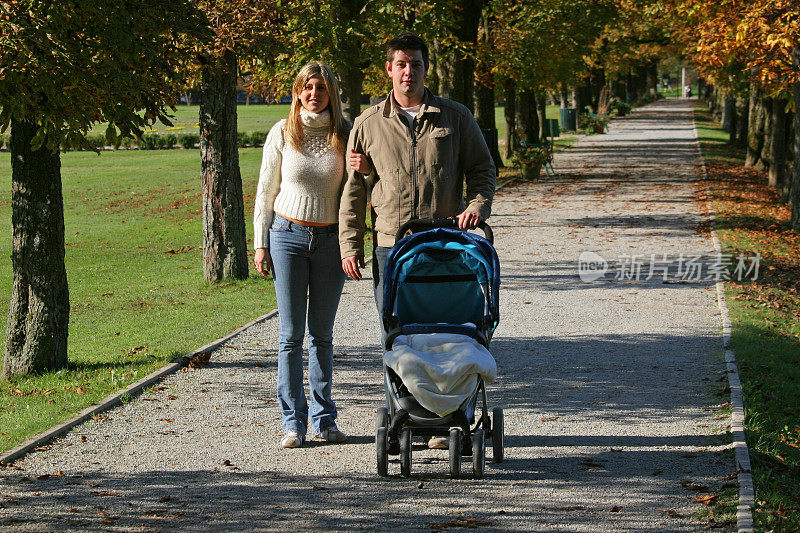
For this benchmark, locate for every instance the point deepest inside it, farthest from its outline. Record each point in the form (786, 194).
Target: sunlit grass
(765, 314)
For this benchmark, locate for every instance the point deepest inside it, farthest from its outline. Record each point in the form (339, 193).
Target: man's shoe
(438, 443)
(331, 434)
(291, 439)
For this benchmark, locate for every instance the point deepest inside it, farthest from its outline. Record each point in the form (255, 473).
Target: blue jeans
(378, 266)
(308, 275)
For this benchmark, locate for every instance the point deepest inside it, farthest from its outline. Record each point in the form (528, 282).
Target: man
(413, 152)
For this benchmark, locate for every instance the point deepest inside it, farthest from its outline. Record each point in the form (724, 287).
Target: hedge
(156, 141)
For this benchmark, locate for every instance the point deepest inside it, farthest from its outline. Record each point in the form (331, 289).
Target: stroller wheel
(405, 452)
(455, 452)
(382, 418)
(497, 435)
(478, 454)
(382, 451)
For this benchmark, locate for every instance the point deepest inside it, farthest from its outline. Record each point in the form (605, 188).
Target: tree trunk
(432, 76)
(734, 124)
(485, 116)
(728, 110)
(755, 131)
(777, 156)
(766, 147)
(652, 78)
(444, 69)
(456, 70)
(541, 114)
(38, 318)
(484, 95)
(527, 116)
(349, 47)
(741, 122)
(224, 243)
(564, 98)
(510, 113)
(597, 80)
(795, 189)
(578, 101)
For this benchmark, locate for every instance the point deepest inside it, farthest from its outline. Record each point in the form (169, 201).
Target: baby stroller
(439, 283)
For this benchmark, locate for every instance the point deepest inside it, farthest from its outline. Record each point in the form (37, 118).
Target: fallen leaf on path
(571, 508)
(705, 499)
(199, 360)
(460, 522)
(670, 512)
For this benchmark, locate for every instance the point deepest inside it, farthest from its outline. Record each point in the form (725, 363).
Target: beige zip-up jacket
(415, 175)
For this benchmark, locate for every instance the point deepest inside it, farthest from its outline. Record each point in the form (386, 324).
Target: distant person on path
(295, 234)
(413, 152)
(687, 91)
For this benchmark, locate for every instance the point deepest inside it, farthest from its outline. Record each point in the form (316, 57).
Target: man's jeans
(308, 272)
(378, 267)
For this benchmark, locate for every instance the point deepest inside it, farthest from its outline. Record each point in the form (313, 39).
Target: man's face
(407, 71)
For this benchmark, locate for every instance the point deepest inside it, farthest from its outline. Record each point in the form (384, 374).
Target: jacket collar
(430, 104)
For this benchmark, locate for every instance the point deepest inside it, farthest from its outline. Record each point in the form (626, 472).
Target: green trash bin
(551, 127)
(569, 119)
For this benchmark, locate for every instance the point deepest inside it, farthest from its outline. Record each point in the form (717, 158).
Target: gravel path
(611, 389)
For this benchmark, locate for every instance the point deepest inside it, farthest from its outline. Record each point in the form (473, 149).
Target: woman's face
(314, 95)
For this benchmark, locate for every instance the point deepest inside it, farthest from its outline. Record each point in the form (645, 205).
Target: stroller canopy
(442, 276)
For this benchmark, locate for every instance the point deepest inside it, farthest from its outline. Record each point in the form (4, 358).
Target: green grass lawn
(250, 118)
(133, 256)
(765, 316)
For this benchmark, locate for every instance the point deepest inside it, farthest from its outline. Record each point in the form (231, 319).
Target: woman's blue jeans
(308, 276)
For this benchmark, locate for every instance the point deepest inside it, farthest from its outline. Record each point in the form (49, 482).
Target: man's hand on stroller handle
(468, 220)
(350, 266)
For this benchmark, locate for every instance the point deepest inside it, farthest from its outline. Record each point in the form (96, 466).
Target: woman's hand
(359, 163)
(263, 261)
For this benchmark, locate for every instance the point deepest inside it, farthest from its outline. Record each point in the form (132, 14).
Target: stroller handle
(417, 225)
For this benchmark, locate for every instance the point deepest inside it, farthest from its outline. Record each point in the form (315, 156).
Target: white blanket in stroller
(440, 369)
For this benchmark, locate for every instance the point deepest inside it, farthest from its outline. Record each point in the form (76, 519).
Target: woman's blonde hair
(338, 129)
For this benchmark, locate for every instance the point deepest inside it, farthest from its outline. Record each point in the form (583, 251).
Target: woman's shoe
(291, 439)
(331, 434)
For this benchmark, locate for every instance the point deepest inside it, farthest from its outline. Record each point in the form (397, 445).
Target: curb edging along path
(744, 509)
(116, 398)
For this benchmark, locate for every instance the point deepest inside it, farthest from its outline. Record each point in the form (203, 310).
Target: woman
(296, 236)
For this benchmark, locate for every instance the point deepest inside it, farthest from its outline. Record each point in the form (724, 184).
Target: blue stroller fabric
(442, 276)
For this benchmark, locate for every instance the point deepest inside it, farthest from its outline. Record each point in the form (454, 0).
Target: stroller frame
(403, 415)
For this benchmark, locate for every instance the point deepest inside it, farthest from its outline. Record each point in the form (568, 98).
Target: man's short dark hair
(407, 41)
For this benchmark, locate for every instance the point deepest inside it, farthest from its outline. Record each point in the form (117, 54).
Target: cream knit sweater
(304, 185)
